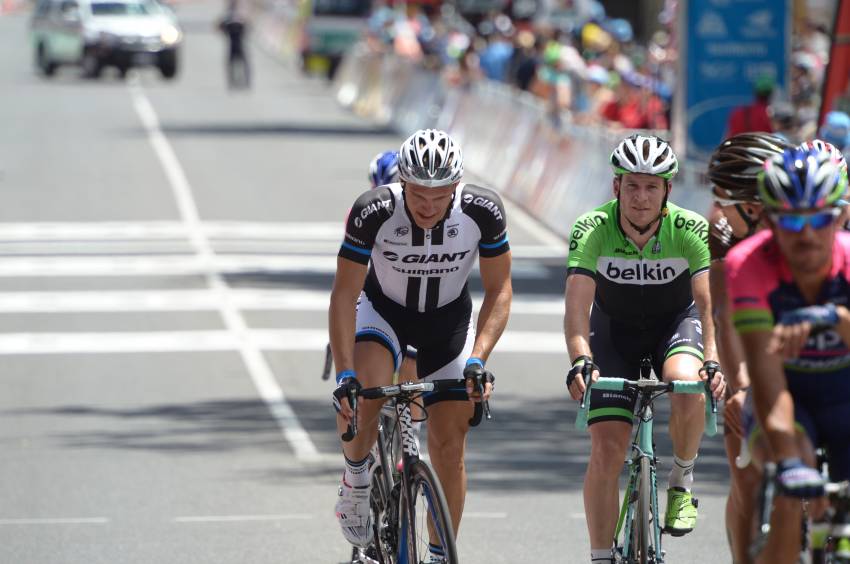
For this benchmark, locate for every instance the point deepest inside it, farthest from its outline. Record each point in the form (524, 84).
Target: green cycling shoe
(681, 517)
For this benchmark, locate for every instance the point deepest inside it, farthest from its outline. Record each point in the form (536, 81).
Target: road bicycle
(824, 542)
(408, 506)
(637, 538)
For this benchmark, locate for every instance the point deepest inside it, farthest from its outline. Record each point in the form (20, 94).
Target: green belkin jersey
(648, 288)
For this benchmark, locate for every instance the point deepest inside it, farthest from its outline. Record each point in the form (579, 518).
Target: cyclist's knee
(608, 444)
(687, 404)
(449, 451)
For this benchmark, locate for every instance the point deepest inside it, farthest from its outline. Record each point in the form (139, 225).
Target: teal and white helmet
(645, 154)
(430, 158)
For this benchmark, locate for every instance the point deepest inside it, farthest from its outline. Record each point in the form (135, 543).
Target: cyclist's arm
(342, 313)
(695, 251)
(773, 404)
(364, 220)
(498, 293)
(728, 345)
(580, 291)
(702, 297)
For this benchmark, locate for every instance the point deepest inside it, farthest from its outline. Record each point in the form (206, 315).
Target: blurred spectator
(497, 55)
(523, 64)
(754, 116)
(783, 118)
(234, 24)
(836, 130)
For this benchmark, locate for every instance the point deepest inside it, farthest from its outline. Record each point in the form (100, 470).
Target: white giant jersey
(423, 269)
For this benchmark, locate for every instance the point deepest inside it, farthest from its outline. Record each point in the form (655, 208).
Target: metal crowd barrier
(508, 140)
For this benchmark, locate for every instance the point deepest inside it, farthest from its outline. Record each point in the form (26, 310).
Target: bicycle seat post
(645, 368)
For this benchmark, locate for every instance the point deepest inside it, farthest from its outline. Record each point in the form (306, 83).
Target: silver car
(94, 34)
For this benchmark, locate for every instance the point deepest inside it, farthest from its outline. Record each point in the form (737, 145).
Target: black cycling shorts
(618, 350)
(443, 338)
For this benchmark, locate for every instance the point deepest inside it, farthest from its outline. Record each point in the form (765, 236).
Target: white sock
(357, 472)
(682, 473)
(600, 556)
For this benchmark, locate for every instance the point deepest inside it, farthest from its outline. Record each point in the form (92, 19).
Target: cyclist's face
(807, 251)
(641, 196)
(428, 205)
(736, 222)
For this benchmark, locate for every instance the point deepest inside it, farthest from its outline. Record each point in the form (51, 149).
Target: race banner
(726, 47)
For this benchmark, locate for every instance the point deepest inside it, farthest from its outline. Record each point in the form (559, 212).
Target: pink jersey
(759, 282)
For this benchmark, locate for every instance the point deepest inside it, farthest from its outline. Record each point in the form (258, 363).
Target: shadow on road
(262, 128)
(530, 445)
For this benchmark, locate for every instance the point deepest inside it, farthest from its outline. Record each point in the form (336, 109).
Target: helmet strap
(752, 224)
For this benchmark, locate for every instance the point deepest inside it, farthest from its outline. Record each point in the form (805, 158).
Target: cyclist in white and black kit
(401, 280)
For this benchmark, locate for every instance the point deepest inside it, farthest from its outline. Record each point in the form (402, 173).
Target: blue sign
(730, 44)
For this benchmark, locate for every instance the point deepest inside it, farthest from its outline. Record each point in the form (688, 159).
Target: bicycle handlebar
(652, 386)
(408, 390)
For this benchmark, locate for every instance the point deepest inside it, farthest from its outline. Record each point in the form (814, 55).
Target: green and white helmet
(645, 154)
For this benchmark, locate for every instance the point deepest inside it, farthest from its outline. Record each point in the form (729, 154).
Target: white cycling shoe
(354, 515)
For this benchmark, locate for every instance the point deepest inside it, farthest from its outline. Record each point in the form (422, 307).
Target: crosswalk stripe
(298, 340)
(202, 300)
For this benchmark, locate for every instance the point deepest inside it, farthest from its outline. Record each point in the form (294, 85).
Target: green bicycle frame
(642, 446)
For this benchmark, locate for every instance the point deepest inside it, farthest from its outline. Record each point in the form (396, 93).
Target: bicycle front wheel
(642, 525)
(427, 519)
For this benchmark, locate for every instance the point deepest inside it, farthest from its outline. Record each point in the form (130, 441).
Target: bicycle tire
(426, 504)
(643, 528)
(379, 504)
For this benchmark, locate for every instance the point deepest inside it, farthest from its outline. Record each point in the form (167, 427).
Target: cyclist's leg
(375, 354)
(784, 541)
(449, 412)
(610, 423)
(740, 504)
(682, 354)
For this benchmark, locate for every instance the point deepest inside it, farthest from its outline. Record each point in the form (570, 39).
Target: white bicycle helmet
(645, 154)
(430, 158)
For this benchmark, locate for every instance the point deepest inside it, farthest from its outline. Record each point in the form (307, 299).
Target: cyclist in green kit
(637, 287)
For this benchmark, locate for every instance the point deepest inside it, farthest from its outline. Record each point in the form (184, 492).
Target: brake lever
(351, 432)
(710, 371)
(586, 375)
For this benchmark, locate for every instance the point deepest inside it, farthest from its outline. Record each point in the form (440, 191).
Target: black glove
(578, 366)
(346, 380)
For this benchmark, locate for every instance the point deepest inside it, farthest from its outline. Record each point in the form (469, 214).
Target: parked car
(95, 34)
(328, 29)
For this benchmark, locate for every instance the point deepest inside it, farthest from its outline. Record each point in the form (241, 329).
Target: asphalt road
(166, 252)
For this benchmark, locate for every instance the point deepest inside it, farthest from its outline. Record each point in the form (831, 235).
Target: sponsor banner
(728, 46)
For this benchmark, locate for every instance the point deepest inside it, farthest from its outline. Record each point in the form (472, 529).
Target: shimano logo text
(425, 272)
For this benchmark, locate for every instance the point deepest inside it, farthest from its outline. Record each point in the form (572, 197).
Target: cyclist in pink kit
(789, 288)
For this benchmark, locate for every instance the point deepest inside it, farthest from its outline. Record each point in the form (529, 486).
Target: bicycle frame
(643, 449)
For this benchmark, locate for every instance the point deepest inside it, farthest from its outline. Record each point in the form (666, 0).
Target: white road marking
(203, 300)
(258, 368)
(242, 518)
(484, 515)
(164, 265)
(188, 265)
(57, 521)
(302, 340)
